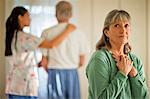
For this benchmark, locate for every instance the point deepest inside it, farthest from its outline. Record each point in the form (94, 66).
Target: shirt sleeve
(44, 51)
(29, 42)
(138, 83)
(99, 83)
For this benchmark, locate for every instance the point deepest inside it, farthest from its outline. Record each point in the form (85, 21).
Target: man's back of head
(63, 11)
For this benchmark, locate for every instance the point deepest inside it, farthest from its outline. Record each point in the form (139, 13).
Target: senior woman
(113, 71)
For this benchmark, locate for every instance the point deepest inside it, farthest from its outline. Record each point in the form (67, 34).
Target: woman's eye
(127, 25)
(116, 25)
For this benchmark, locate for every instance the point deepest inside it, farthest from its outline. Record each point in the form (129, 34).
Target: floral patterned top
(21, 72)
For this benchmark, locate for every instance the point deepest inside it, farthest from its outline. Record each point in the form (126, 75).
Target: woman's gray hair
(63, 10)
(112, 17)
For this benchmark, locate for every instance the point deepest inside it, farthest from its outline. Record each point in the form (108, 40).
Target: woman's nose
(122, 29)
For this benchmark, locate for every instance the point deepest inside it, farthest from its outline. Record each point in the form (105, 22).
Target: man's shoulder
(50, 28)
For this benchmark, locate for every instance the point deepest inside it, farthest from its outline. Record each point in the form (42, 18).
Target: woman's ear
(106, 32)
(19, 18)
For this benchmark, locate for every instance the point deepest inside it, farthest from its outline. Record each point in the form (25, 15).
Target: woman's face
(24, 20)
(118, 32)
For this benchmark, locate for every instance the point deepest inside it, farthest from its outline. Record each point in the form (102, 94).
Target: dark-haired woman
(21, 78)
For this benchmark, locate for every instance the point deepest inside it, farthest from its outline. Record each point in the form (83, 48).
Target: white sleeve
(44, 51)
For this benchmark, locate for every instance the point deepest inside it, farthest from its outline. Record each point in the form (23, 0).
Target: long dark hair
(12, 26)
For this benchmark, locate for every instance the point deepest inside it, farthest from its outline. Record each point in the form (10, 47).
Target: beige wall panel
(84, 23)
(148, 34)
(2, 66)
